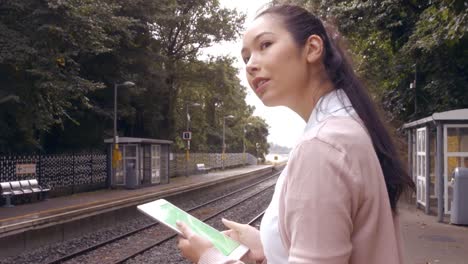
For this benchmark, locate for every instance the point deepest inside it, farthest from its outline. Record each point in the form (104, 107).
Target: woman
(336, 200)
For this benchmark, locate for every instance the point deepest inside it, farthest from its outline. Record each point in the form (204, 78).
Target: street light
(224, 138)
(413, 86)
(243, 141)
(257, 148)
(9, 98)
(187, 112)
(187, 150)
(125, 84)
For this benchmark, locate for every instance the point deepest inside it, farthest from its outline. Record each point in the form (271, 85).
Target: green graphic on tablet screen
(170, 214)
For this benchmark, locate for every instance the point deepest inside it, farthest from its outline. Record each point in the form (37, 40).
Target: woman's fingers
(184, 229)
(184, 246)
(181, 242)
(191, 245)
(232, 234)
(227, 232)
(232, 225)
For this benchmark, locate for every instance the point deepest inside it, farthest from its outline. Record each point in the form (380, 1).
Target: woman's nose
(252, 66)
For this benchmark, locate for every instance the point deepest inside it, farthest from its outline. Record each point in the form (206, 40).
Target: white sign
(25, 169)
(187, 135)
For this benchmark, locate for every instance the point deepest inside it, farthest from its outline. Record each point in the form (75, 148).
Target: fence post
(109, 169)
(39, 169)
(91, 164)
(73, 173)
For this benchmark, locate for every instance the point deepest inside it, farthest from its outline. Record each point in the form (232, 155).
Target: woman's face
(276, 67)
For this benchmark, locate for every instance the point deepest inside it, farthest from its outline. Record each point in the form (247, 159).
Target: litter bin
(131, 177)
(459, 215)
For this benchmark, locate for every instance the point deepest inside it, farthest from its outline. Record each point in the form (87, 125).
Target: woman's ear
(314, 48)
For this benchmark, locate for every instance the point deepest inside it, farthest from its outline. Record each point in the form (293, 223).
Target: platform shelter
(139, 162)
(437, 145)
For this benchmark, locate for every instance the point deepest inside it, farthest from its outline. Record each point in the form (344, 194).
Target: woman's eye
(265, 45)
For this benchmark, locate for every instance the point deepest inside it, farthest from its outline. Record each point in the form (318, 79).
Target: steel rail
(81, 252)
(255, 219)
(167, 238)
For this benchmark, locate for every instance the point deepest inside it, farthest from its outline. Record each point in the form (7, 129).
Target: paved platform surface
(61, 205)
(428, 242)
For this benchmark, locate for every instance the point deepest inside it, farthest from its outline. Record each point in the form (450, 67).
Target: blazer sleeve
(319, 198)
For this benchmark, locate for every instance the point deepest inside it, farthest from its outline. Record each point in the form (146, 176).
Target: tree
(40, 63)
(256, 136)
(185, 29)
(215, 85)
(59, 62)
(393, 41)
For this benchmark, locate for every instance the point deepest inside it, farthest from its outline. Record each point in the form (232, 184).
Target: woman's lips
(261, 88)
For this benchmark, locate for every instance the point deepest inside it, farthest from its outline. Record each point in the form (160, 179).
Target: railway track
(173, 235)
(142, 239)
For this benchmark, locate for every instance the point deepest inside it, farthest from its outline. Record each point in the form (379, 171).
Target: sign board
(187, 135)
(22, 169)
(116, 157)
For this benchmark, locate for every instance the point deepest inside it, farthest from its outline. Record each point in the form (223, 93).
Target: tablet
(168, 214)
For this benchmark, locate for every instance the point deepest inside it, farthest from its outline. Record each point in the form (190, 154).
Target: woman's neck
(307, 101)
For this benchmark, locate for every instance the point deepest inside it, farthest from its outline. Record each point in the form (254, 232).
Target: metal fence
(67, 174)
(63, 173)
(179, 165)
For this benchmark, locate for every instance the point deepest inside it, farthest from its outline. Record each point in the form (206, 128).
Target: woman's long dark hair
(302, 24)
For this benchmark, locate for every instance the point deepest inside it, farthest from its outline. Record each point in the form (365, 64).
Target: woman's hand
(192, 245)
(247, 235)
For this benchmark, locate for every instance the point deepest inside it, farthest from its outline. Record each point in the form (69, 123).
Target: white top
(335, 103)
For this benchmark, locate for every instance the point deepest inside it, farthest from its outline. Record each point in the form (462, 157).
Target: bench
(22, 188)
(202, 168)
(42, 191)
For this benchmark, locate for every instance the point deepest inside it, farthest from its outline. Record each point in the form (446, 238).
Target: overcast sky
(285, 125)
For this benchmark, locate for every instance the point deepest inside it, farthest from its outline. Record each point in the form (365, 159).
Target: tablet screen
(169, 214)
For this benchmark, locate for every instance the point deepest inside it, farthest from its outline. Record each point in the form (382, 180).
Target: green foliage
(60, 60)
(257, 134)
(40, 63)
(393, 41)
(186, 27)
(214, 84)
(182, 31)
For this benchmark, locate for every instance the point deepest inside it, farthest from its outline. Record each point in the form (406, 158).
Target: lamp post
(414, 86)
(257, 147)
(224, 138)
(187, 149)
(187, 105)
(115, 140)
(243, 142)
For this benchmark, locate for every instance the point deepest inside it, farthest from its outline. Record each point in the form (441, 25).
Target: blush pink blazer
(334, 206)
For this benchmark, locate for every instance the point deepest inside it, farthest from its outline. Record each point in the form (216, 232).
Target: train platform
(427, 241)
(64, 209)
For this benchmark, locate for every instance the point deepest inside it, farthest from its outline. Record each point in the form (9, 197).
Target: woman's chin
(269, 101)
